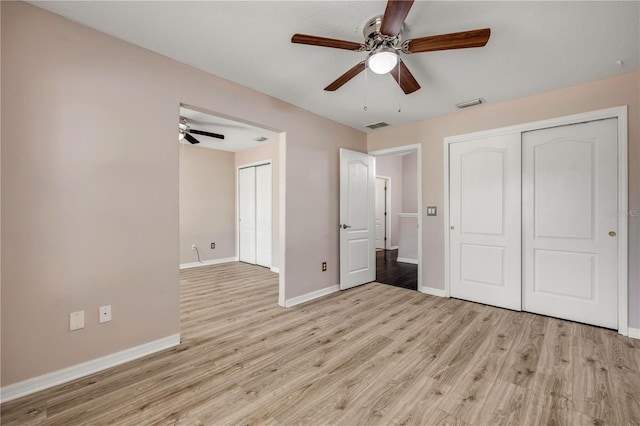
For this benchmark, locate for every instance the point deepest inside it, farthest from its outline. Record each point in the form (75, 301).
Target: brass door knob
(612, 233)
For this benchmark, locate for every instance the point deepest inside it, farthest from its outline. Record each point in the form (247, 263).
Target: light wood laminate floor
(372, 355)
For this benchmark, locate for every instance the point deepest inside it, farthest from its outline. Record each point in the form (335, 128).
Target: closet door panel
(485, 219)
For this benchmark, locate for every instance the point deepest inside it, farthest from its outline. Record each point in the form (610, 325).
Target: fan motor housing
(373, 38)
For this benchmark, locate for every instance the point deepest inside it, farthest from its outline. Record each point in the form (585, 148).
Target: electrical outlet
(324, 266)
(193, 247)
(213, 245)
(105, 313)
(76, 320)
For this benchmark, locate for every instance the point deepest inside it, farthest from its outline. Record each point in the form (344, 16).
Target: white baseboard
(310, 296)
(29, 386)
(275, 269)
(208, 262)
(433, 291)
(633, 332)
(407, 260)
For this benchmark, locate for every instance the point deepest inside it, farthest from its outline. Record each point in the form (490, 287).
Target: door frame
(387, 218)
(399, 150)
(623, 202)
(244, 166)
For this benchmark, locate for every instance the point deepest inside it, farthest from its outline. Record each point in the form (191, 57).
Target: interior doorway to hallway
(397, 217)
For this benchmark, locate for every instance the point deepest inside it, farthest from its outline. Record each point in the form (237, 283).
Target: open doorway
(397, 217)
(212, 150)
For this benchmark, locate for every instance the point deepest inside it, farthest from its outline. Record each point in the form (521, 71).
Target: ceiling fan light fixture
(383, 60)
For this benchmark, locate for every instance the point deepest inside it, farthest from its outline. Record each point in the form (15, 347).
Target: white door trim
(398, 150)
(387, 219)
(282, 211)
(623, 176)
(264, 207)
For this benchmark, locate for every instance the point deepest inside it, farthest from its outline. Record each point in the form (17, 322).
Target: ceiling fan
(383, 39)
(184, 132)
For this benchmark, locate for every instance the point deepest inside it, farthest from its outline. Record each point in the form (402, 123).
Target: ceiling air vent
(377, 125)
(260, 139)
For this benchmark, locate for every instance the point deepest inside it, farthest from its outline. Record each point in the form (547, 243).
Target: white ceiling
(534, 47)
(237, 136)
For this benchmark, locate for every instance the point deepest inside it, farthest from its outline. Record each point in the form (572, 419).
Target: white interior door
(263, 215)
(485, 220)
(357, 223)
(570, 243)
(247, 214)
(381, 212)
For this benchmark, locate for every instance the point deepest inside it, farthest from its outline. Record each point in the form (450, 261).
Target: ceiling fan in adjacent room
(185, 131)
(383, 41)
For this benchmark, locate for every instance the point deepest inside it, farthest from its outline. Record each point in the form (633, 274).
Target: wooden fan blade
(394, 16)
(405, 79)
(202, 132)
(461, 40)
(340, 81)
(326, 42)
(191, 139)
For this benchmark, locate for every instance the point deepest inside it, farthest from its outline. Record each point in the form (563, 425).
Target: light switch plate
(432, 211)
(76, 320)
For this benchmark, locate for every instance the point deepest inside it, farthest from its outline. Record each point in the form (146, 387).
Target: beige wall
(90, 188)
(263, 153)
(402, 169)
(410, 183)
(606, 93)
(207, 203)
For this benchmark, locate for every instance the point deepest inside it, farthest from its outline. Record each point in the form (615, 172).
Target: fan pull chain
(399, 80)
(365, 86)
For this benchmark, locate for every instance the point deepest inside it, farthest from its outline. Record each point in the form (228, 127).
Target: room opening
(396, 219)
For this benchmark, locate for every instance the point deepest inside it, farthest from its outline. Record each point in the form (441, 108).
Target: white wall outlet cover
(76, 320)
(105, 313)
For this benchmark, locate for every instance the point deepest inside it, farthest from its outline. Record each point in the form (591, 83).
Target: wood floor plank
(374, 355)
(522, 361)
(592, 388)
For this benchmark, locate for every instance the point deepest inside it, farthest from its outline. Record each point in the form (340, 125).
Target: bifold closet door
(570, 194)
(485, 220)
(263, 215)
(247, 214)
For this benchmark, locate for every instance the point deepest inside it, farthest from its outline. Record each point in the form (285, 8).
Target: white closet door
(485, 219)
(570, 242)
(247, 214)
(263, 215)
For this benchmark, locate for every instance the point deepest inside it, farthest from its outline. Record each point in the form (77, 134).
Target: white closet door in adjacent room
(247, 214)
(263, 215)
(570, 234)
(485, 220)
